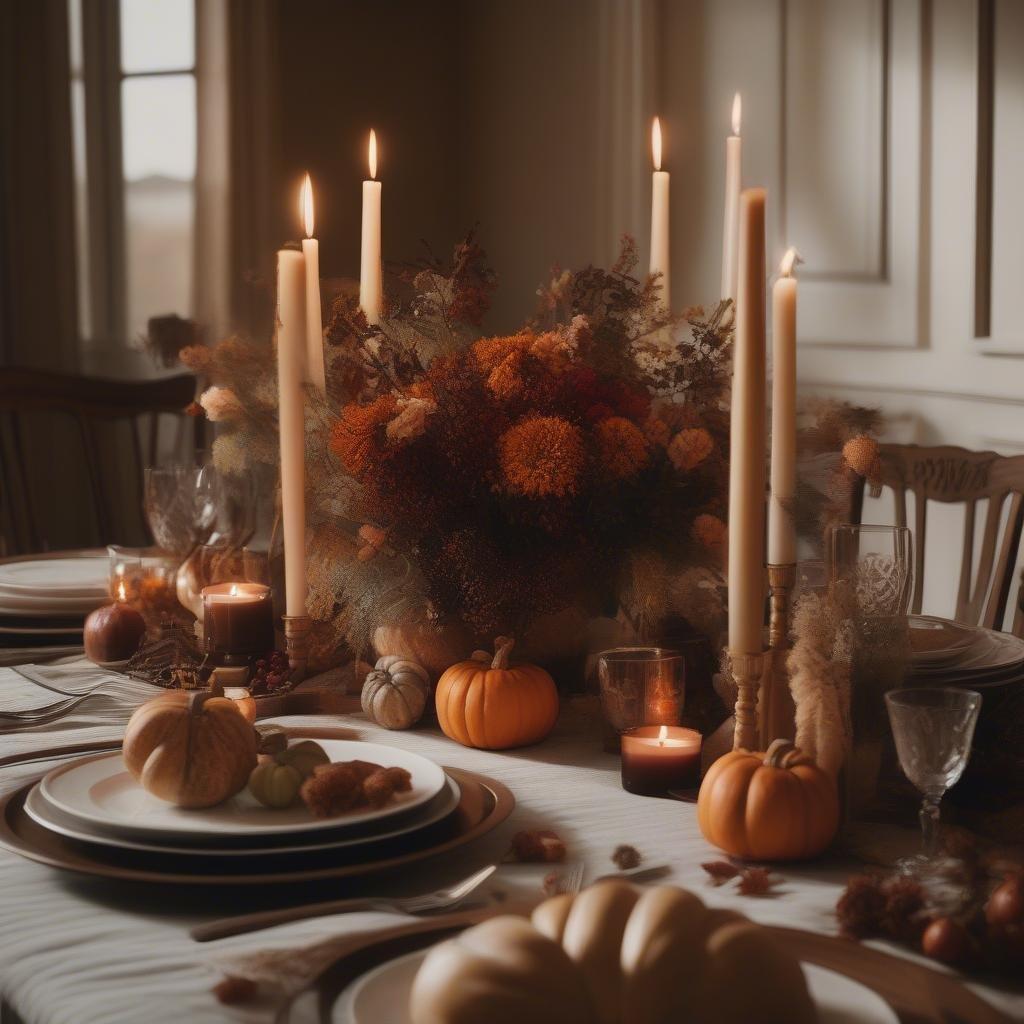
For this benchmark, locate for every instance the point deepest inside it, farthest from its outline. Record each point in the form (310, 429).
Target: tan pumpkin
(777, 805)
(656, 957)
(490, 704)
(433, 647)
(395, 692)
(192, 749)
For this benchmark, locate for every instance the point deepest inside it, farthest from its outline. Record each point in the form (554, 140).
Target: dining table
(81, 949)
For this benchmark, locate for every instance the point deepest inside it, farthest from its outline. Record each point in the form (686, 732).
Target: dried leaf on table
(720, 871)
(756, 882)
(626, 857)
(231, 990)
(537, 846)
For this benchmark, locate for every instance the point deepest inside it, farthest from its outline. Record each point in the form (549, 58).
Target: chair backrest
(54, 425)
(957, 476)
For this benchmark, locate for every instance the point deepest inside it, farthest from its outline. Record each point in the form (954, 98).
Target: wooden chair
(957, 476)
(54, 424)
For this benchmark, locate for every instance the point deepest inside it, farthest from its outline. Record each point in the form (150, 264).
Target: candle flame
(372, 154)
(122, 594)
(656, 142)
(791, 258)
(234, 590)
(737, 110)
(662, 735)
(306, 205)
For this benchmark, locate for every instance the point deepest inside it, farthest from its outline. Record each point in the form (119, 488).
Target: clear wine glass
(181, 505)
(933, 728)
(876, 563)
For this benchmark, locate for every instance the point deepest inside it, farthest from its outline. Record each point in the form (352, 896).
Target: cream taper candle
(291, 359)
(660, 260)
(781, 523)
(747, 436)
(733, 184)
(315, 373)
(370, 287)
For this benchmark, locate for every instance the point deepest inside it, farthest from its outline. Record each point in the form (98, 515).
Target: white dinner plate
(45, 604)
(41, 630)
(383, 995)
(935, 641)
(100, 792)
(54, 820)
(86, 576)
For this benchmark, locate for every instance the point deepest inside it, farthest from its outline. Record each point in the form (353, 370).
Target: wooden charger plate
(484, 804)
(917, 994)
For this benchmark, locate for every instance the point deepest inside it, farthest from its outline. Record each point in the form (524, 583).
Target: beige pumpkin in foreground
(656, 957)
(395, 692)
(192, 749)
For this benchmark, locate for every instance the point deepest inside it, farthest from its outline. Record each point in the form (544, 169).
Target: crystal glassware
(181, 504)
(933, 728)
(640, 686)
(875, 563)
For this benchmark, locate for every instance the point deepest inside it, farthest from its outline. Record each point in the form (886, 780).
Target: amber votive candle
(657, 758)
(238, 618)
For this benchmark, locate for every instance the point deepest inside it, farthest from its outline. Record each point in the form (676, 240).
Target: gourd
(776, 805)
(112, 633)
(395, 692)
(433, 647)
(192, 749)
(304, 756)
(275, 785)
(490, 704)
(660, 957)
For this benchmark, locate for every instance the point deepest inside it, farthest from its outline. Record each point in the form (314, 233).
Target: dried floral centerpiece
(480, 485)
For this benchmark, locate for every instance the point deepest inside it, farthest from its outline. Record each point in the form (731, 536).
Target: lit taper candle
(370, 288)
(314, 319)
(660, 260)
(733, 184)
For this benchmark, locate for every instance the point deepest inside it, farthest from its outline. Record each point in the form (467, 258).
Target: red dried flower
(622, 448)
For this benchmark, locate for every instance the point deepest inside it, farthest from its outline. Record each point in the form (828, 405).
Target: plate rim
(248, 852)
(198, 837)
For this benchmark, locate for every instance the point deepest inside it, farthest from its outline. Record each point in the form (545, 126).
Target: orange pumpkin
(489, 704)
(192, 749)
(777, 805)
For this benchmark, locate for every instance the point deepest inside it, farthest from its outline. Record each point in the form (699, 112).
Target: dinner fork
(441, 899)
(53, 710)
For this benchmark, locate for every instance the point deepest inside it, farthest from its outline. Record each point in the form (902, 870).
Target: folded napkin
(35, 687)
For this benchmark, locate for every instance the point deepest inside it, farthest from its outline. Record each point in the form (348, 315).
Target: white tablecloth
(77, 951)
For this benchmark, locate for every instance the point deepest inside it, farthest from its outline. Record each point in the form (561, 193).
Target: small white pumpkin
(395, 692)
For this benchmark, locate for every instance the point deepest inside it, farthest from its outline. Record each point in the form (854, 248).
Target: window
(133, 88)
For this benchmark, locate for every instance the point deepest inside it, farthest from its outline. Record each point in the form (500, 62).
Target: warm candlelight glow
(737, 108)
(306, 205)
(656, 143)
(234, 590)
(662, 735)
(372, 154)
(791, 258)
(121, 593)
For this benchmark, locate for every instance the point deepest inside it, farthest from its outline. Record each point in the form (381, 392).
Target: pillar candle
(747, 440)
(660, 262)
(781, 524)
(733, 180)
(238, 618)
(291, 359)
(656, 759)
(314, 322)
(370, 290)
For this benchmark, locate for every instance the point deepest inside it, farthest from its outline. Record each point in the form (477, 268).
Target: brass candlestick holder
(748, 670)
(297, 629)
(778, 711)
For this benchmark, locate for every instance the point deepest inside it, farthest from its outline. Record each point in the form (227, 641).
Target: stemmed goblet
(933, 728)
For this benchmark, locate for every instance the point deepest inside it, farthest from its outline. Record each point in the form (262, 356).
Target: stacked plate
(49, 597)
(91, 816)
(950, 653)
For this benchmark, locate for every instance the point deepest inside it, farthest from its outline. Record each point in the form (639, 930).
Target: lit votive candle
(657, 758)
(238, 618)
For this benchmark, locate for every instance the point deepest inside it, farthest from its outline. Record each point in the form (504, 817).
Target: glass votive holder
(144, 579)
(640, 686)
(657, 759)
(238, 622)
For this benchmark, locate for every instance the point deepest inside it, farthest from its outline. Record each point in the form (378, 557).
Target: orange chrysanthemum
(541, 457)
(861, 455)
(489, 352)
(689, 448)
(710, 531)
(621, 446)
(505, 381)
(355, 435)
(657, 431)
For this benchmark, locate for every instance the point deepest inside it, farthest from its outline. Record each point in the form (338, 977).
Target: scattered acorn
(946, 940)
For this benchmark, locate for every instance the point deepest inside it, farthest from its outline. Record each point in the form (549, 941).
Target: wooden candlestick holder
(777, 709)
(297, 630)
(748, 670)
